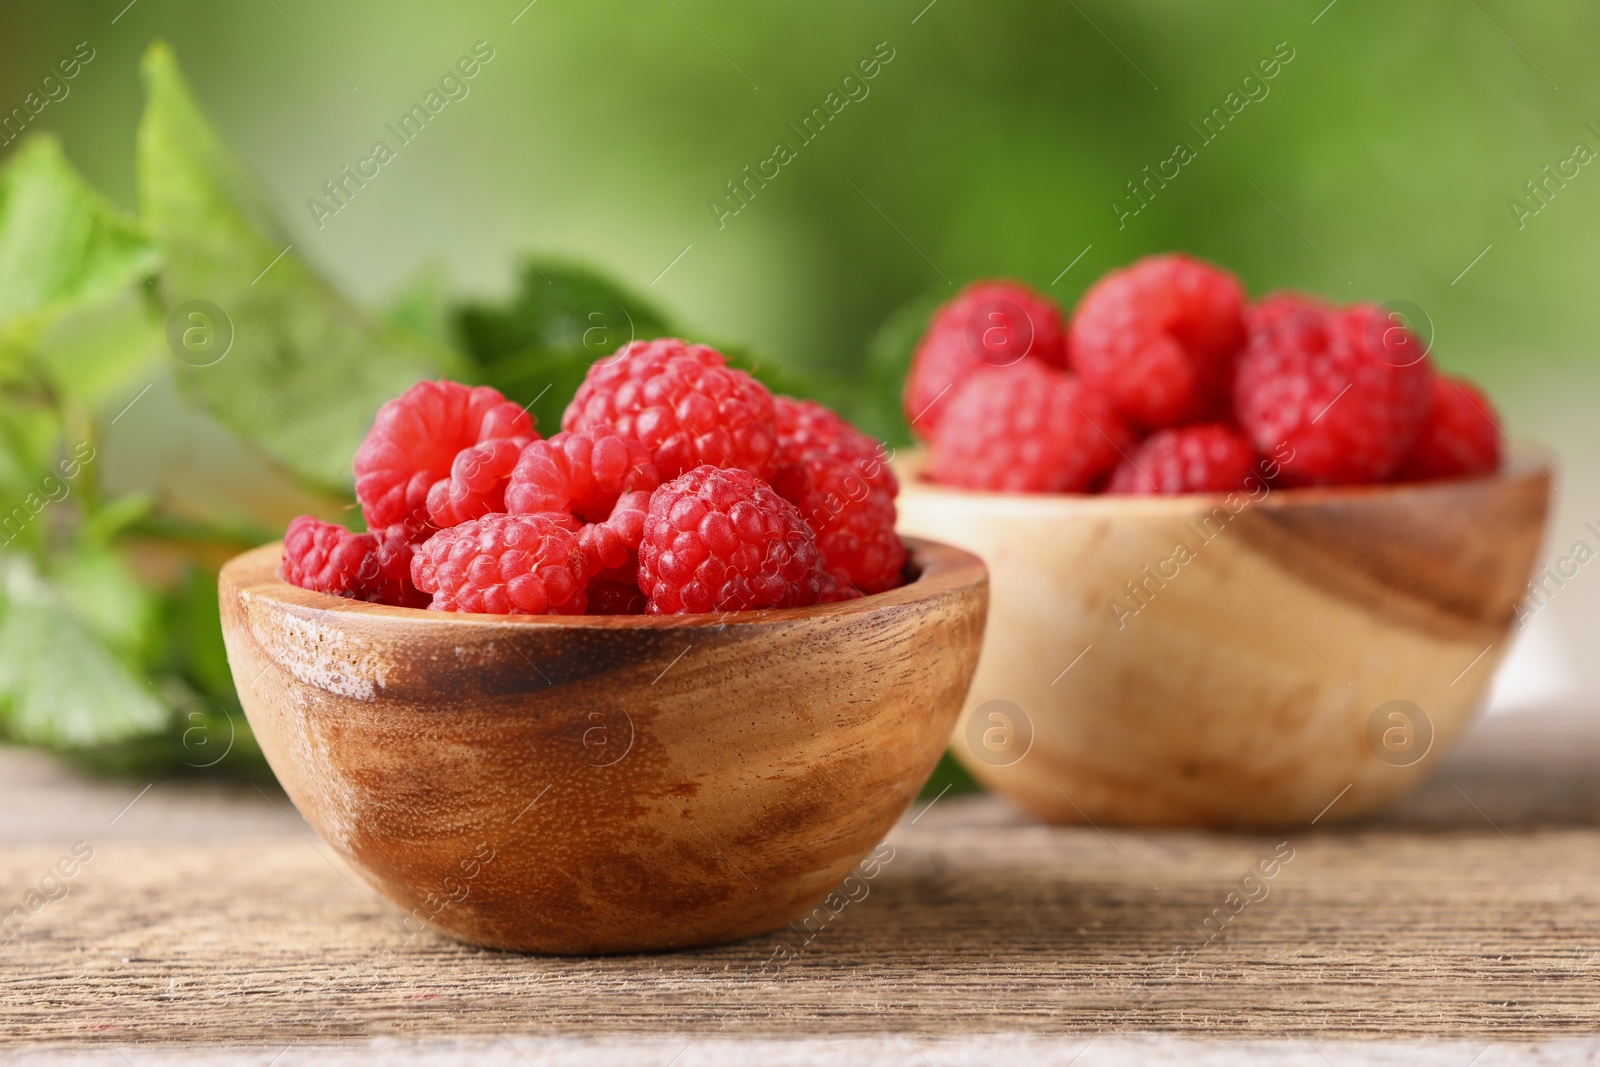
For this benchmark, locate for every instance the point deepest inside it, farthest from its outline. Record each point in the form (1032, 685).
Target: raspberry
(722, 540)
(1027, 429)
(1159, 338)
(1209, 458)
(503, 565)
(683, 403)
(330, 559)
(414, 441)
(614, 544)
(833, 592)
(579, 473)
(1460, 438)
(477, 483)
(1343, 390)
(836, 476)
(987, 324)
(616, 598)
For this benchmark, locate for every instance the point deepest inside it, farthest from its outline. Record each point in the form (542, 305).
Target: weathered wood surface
(1465, 918)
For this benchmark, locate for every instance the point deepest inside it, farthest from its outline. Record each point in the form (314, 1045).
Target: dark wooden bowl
(604, 783)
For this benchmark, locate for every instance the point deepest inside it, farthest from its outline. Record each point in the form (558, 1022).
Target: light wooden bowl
(1318, 639)
(605, 783)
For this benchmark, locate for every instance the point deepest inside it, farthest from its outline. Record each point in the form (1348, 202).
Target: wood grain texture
(212, 925)
(980, 922)
(606, 783)
(1198, 660)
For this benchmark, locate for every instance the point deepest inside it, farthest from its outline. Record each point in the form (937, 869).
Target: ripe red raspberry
(330, 559)
(614, 544)
(722, 540)
(838, 478)
(987, 324)
(683, 403)
(1209, 458)
(1460, 438)
(415, 439)
(1342, 391)
(503, 565)
(616, 598)
(1027, 429)
(579, 473)
(833, 591)
(477, 483)
(1159, 338)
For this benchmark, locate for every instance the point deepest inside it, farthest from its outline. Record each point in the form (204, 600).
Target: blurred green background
(1381, 163)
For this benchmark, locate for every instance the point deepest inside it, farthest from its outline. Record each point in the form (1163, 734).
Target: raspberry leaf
(61, 685)
(278, 356)
(73, 271)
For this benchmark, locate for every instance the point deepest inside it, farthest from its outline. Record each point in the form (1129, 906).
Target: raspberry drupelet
(1344, 390)
(1460, 438)
(1027, 429)
(1207, 458)
(414, 442)
(504, 565)
(988, 324)
(683, 403)
(1159, 338)
(375, 567)
(723, 540)
(840, 480)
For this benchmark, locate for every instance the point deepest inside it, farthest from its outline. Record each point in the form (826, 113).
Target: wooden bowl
(604, 783)
(1189, 661)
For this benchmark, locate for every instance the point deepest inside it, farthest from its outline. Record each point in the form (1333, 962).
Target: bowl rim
(1526, 462)
(941, 570)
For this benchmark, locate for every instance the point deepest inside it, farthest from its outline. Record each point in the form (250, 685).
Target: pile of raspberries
(677, 485)
(1169, 380)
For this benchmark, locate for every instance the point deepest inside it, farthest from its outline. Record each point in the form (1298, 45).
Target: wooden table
(210, 926)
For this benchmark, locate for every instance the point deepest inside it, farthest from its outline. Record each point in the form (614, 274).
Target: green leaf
(108, 598)
(559, 307)
(95, 352)
(61, 243)
(422, 307)
(537, 346)
(61, 685)
(115, 516)
(877, 409)
(189, 637)
(780, 378)
(290, 365)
